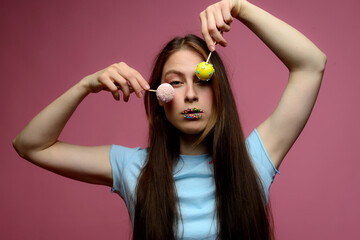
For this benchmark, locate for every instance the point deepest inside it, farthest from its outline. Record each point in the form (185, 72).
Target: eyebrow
(174, 72)
(182, 75)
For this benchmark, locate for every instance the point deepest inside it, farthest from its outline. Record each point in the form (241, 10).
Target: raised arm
(38, 141)
(306, 64)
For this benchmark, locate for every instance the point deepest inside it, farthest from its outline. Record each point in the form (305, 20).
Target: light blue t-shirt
(194, 180)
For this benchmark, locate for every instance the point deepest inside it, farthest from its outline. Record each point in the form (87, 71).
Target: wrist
(244, 8)
(83, 86)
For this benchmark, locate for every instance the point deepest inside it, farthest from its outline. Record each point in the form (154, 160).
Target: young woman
(199, 178)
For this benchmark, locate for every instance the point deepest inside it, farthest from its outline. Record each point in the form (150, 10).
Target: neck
(187, 146)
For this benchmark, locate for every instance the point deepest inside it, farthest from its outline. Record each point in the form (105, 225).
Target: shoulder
(124, 155)
(121, 151)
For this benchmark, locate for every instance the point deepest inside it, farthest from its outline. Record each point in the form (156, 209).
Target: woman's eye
(175, 83)
(202, 83)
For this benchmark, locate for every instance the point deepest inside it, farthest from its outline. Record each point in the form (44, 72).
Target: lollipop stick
(132, 90)
(207, 61)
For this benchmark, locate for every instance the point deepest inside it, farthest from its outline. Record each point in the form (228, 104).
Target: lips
(192, 113)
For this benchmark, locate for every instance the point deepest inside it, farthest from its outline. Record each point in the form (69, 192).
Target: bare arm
(38, 141)
(306, 64)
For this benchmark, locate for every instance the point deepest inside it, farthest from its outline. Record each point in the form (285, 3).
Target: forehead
(183, 61)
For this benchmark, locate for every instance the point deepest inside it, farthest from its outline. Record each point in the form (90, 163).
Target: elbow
(16, 146)
(318, 63)
(321, 62)
(315, 63)
(19, 148)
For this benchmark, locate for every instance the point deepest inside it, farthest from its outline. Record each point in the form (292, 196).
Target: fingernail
(212, 48)
(147, 86)
(117, 96)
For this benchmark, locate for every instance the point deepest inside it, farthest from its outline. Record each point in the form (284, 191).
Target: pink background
(47, 46)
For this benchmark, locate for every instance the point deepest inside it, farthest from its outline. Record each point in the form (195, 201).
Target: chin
(192, 131)
(191, 127)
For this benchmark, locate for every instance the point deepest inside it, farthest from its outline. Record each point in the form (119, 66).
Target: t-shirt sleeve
(261, 160)
(125, 164)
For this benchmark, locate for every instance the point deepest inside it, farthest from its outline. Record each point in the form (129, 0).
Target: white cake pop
(164, 93)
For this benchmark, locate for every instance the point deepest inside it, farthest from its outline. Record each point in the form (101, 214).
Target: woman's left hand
(216, 19)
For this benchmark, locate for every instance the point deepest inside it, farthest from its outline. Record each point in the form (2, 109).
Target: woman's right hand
(217, 18)
(118, 76)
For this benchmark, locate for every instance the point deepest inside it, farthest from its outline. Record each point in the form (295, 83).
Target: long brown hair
(241, 208)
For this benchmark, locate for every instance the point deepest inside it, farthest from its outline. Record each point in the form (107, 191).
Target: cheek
(175, 101)
(170, 107)
(208, 97)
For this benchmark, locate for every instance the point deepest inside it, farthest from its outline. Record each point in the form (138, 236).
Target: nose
(190, 95)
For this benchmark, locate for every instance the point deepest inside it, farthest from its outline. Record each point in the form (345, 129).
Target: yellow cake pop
(204, 71)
